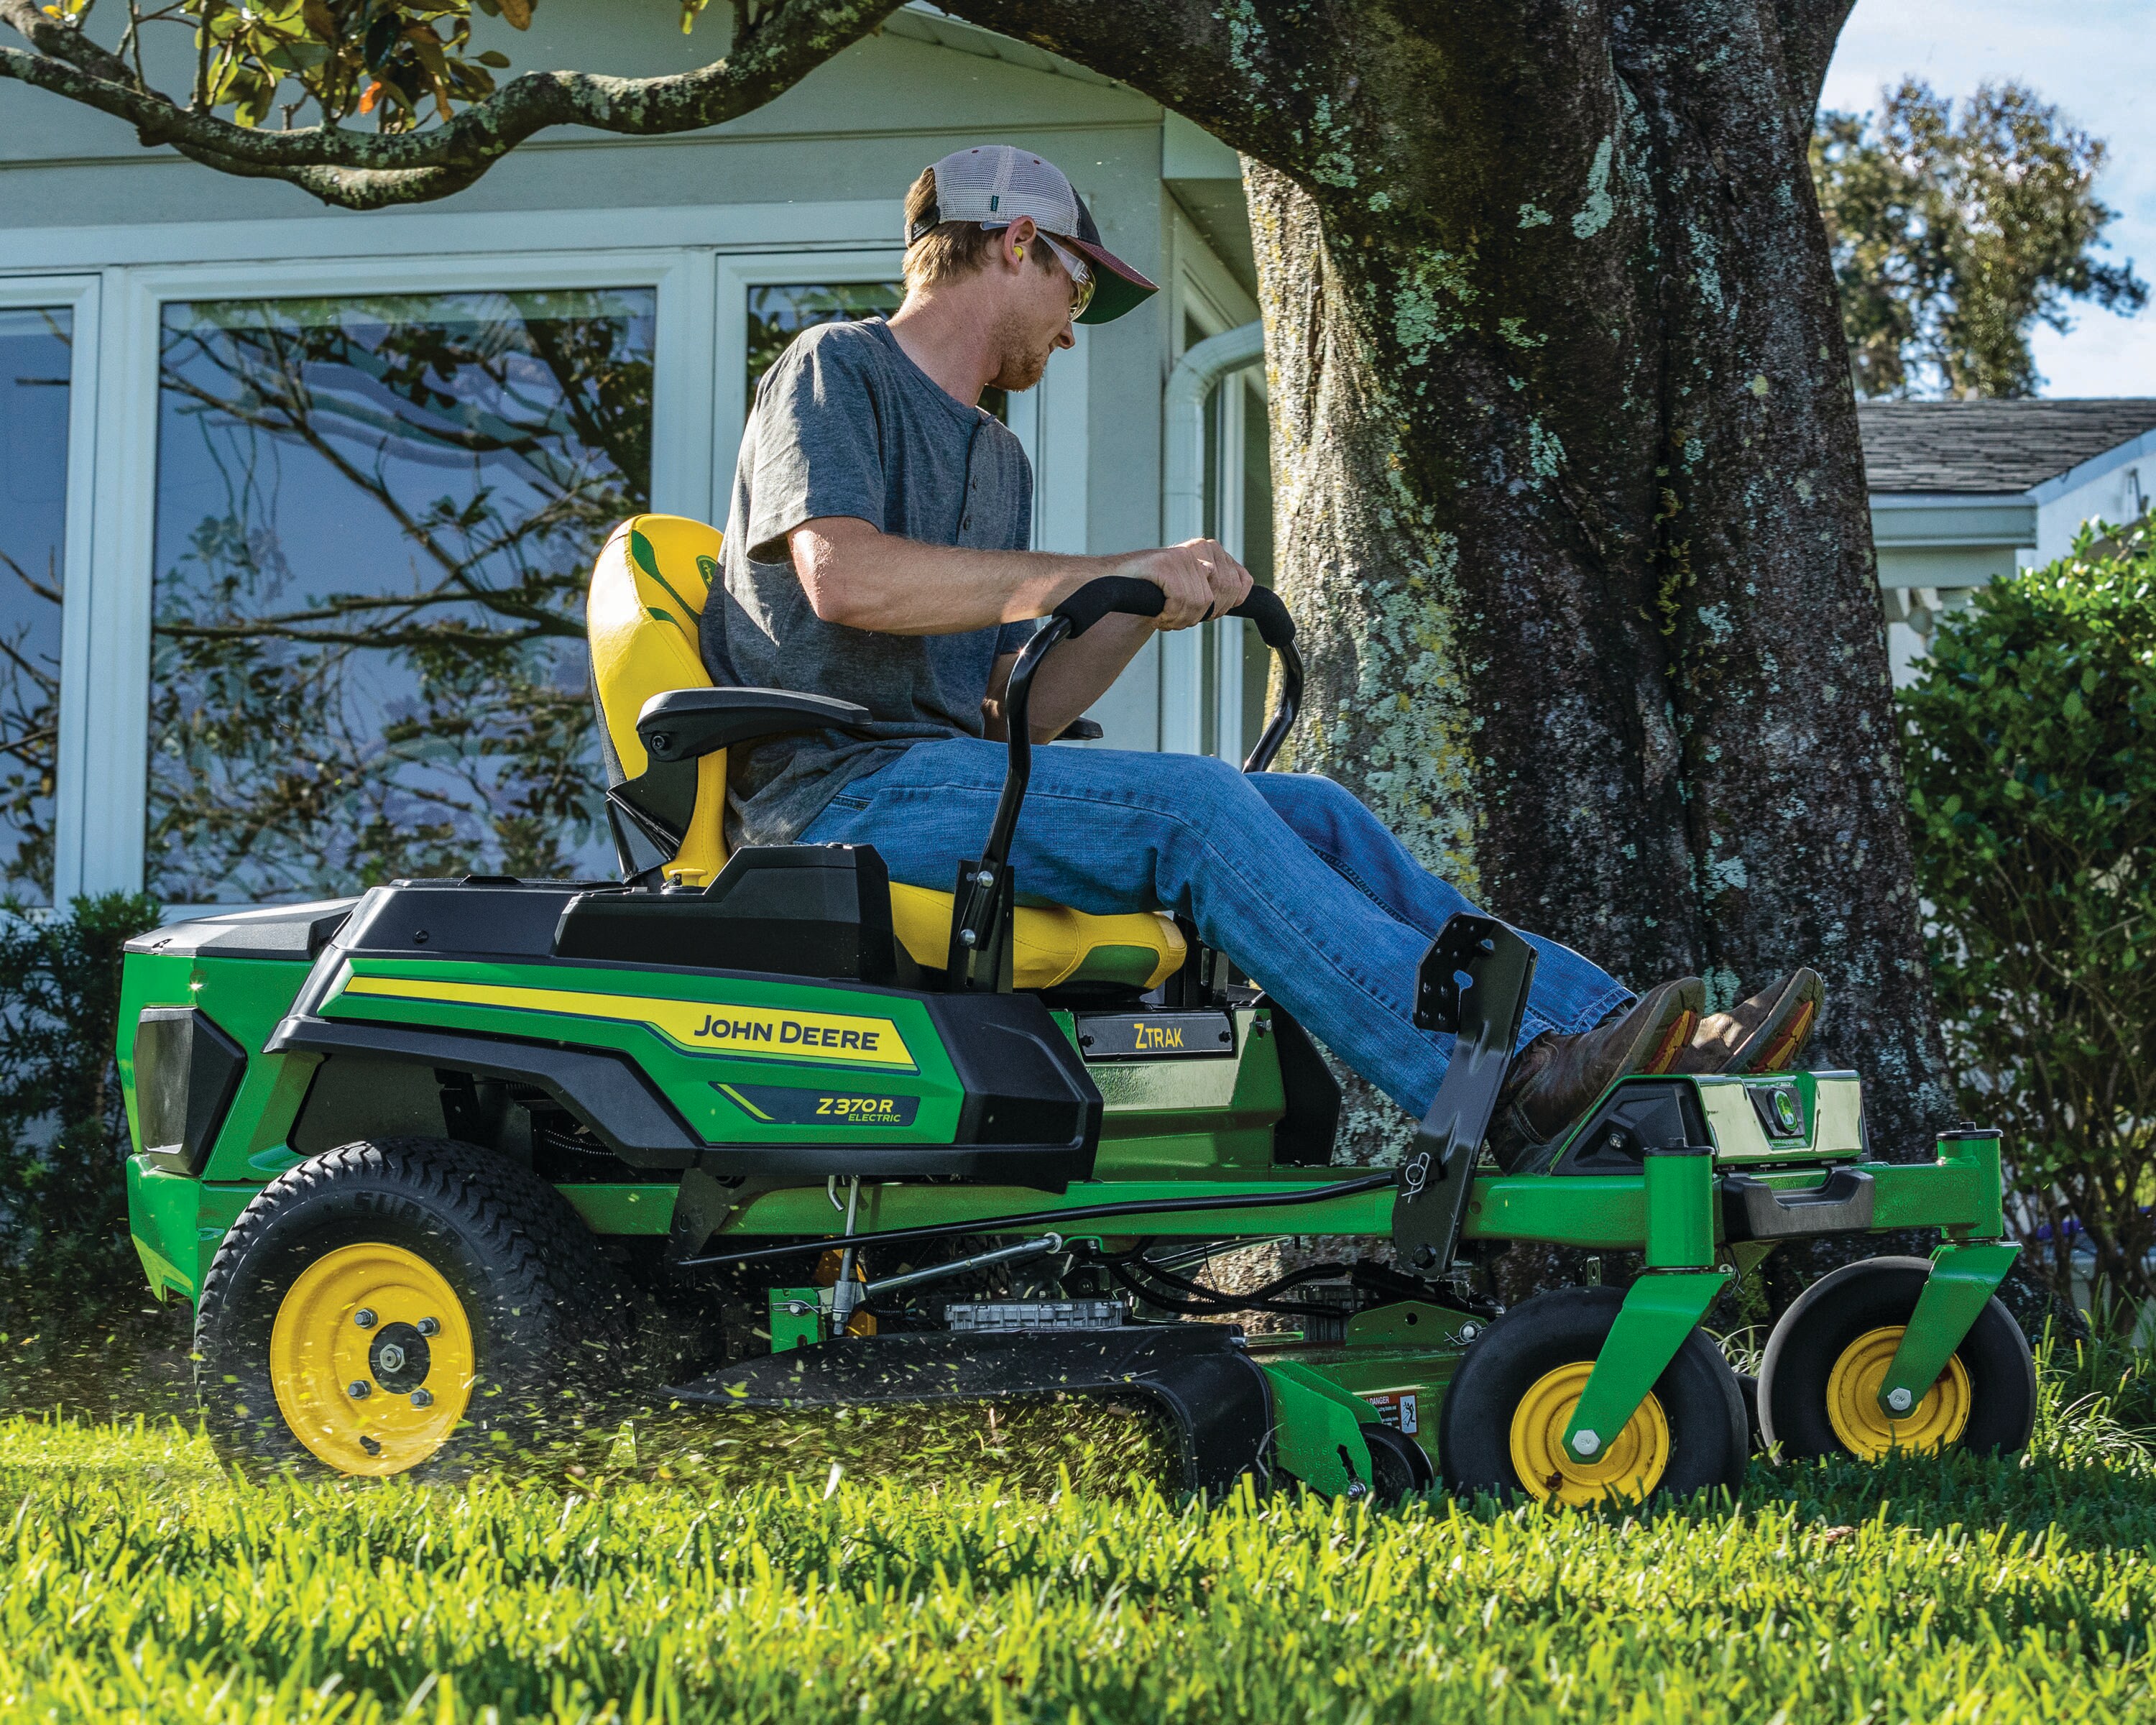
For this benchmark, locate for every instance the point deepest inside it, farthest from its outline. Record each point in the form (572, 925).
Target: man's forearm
(862, 578)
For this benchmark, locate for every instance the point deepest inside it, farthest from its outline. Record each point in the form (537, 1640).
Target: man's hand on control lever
(1198, 576)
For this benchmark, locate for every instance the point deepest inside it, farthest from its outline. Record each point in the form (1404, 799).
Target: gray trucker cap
(998, 183)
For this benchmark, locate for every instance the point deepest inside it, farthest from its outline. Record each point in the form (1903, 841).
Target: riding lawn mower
(437, 1161)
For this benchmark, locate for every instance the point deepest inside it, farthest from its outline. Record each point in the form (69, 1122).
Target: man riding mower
(913, 1058)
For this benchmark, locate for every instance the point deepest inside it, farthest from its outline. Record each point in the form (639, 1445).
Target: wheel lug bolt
(359, 1390)
(364, 1317)
(423, 1397)
(428, 1326)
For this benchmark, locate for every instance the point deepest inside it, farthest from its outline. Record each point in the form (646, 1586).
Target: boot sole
(1782, 1034)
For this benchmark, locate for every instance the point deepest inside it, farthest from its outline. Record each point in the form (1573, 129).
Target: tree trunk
(1571, 502)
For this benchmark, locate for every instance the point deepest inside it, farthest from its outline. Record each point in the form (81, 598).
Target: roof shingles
(1989, 447)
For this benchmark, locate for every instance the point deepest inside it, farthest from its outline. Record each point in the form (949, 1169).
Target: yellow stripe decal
(764, 1032)
(743, 1103)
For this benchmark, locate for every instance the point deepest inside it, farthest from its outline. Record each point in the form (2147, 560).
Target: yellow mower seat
(648, 591)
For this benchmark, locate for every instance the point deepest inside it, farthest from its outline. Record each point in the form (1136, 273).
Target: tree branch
(1239, 72)
(366, 171)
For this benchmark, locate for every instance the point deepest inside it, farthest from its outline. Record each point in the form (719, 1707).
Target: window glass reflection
(35, 357)
(375, 519)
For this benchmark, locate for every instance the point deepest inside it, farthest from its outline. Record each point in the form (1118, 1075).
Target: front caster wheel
(1819, 1382)
(413, 1304)
(1501, 1429)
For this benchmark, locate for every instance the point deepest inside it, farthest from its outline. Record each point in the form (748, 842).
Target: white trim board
(435, 236)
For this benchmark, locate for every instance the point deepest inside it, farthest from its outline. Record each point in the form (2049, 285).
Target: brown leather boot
(1765, 1034)
(1555, 1078)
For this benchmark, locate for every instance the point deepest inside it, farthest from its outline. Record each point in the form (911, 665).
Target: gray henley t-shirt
(845, 423)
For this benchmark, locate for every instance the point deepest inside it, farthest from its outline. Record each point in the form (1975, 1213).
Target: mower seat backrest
(641, 616)
(653, 578)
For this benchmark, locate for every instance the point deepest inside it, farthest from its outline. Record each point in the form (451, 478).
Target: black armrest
(683, 724)
(1081, 730)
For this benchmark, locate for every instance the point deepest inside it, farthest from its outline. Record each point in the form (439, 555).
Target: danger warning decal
(760, 1032)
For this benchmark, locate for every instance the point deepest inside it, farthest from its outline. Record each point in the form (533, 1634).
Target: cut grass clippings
(728, 1570)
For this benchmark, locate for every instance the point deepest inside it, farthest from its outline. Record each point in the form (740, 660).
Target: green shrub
(2032, 773)
(63, 1126)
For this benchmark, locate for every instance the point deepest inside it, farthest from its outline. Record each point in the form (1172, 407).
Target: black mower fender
(1215, 1395)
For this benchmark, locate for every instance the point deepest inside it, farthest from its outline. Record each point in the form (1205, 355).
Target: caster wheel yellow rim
(1865, 1428)
(371, 1359)
(1628, 1467)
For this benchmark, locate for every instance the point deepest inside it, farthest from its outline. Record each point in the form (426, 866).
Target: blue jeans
(1286, 872)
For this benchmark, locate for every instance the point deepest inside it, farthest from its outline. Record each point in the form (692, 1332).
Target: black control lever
(980, 956)
(1128, 596)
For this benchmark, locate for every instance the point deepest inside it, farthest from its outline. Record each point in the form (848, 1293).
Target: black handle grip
(1126, 595)
(1265, 608)
(1106, 597)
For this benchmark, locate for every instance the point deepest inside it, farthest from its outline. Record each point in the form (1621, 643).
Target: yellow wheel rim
(1628, 1467)
(1865, 1428)
(371, 1357)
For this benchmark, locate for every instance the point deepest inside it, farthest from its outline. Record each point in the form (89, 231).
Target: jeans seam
(1340, 867)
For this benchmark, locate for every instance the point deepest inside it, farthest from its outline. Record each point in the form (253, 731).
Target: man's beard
(1021, 364)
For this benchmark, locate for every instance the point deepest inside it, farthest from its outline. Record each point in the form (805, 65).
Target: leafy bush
(2032, 772)
(63, 1125)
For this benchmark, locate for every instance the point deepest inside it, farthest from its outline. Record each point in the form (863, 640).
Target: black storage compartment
(480, 916)
(786, 910)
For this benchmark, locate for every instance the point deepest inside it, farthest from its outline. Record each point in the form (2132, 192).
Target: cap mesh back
(996, 182)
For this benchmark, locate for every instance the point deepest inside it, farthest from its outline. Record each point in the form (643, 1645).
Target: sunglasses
(1081, 274)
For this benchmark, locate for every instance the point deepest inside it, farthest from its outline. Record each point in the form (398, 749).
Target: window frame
(110, 828)
(82, 295)
(1208, 296)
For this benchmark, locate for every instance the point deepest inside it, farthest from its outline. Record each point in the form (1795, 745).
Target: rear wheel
(402, 1304)
(1501, 1429)
(1819, 1381)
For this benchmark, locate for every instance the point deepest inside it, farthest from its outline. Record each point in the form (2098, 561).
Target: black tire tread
(1473, 1460)
(1869, 1293)
(517, 1218)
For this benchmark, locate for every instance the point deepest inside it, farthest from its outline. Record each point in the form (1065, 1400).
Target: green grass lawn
(949, 1572)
